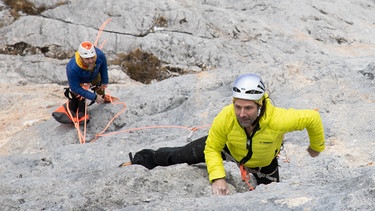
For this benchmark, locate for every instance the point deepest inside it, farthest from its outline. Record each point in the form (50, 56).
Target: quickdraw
(246, 177)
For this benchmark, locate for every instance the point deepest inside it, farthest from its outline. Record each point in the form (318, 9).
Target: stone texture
(311, 54)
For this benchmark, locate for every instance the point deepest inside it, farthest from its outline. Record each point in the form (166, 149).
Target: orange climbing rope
(100, 33)
(192, 129)
(102, 133)
(113, 118)
(76, 122)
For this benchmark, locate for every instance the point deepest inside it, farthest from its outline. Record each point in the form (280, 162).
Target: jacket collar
(80, 63)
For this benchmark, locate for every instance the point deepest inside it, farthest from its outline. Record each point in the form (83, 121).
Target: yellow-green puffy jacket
(266, 142)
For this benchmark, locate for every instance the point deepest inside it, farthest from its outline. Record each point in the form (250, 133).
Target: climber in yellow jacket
(252, 131)
(249, 131)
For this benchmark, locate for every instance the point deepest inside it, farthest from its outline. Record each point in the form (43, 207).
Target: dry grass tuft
(17, 7)
(140, 66)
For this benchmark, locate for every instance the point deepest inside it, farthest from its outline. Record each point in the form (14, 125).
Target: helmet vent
(235, 89)
(253, 92)
(261, 86)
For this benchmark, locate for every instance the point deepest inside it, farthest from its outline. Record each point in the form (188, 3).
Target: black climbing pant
(77, 104)
(193, 153)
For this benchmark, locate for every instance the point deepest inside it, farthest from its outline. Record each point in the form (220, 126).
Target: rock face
(310, 54)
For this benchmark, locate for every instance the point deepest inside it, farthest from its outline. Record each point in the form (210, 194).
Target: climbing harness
(245, 171)
(245, 174)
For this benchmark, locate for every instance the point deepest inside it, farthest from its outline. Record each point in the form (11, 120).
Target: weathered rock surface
(311, 54)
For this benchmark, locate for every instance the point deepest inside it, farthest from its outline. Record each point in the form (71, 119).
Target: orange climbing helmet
(86, 50)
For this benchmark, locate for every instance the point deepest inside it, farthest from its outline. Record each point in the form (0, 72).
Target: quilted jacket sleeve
(214, 145)
(292, 119)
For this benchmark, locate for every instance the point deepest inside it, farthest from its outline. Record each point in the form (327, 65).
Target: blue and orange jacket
(266, 142)
(77, 73)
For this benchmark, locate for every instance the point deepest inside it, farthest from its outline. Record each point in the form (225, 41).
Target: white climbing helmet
(86, 50)
(248, 87)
